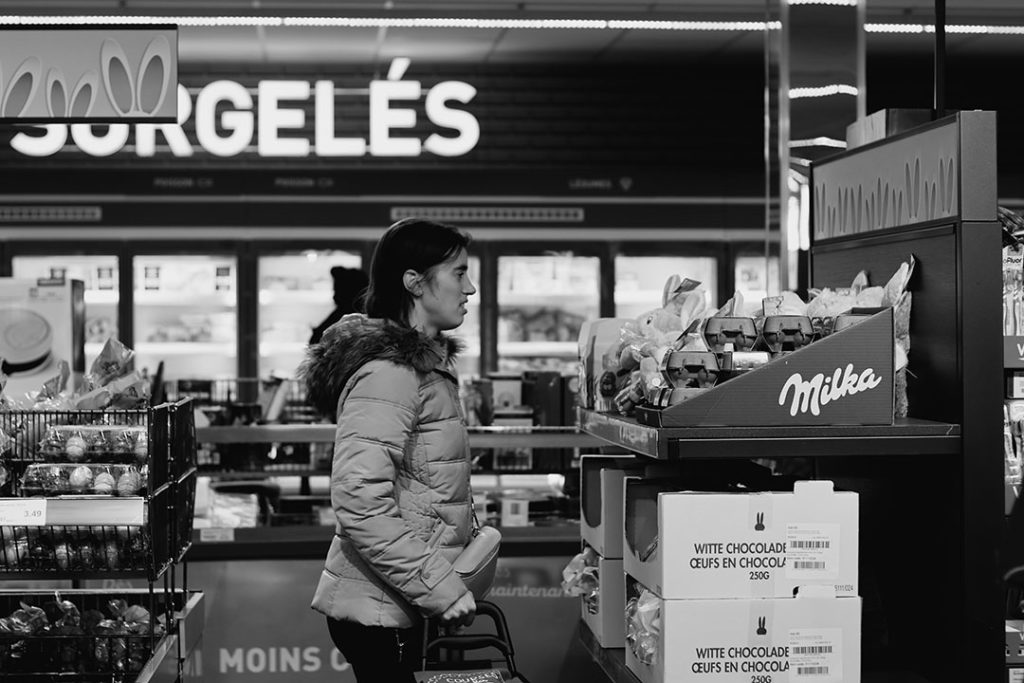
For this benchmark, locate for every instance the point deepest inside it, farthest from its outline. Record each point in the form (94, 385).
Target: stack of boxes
(601, 486)
(749, 586)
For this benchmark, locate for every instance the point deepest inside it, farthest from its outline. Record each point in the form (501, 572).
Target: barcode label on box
(812, 551)
(815, 655)
(23, 512)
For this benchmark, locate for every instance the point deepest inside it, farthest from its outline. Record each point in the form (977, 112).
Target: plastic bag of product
(579, 577)
(643, 625)
(114, 361)
(787, 303)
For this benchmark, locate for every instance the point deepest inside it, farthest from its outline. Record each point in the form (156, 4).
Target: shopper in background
(400, 478)
(349, 286)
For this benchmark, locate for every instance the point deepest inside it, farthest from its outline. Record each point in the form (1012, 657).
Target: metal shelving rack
(144, 535)
(930, 485)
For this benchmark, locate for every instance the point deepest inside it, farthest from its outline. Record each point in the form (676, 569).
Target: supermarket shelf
(312, 542)
(186, 348)
(101, 297)
(507, 299)
(282, 348)
(651, 297)
(613, 662)
(545, 348)
(907, 436)
(275, 297)
(479, 437)
(146, 297)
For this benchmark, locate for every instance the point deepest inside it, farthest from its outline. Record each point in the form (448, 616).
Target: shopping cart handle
(468, 642)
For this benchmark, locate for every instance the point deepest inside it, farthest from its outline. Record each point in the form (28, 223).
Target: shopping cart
(444, 655)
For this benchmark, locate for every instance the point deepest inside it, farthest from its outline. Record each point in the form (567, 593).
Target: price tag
(216, 535)
(23, 512)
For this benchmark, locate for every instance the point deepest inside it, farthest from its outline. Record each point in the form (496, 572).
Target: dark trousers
(378, 654)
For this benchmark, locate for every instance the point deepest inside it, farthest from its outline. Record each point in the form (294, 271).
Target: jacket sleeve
(375, 421)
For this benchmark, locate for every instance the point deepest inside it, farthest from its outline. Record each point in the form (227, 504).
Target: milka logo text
(821, 390)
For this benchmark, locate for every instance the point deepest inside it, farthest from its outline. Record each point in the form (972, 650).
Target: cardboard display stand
(843, 379)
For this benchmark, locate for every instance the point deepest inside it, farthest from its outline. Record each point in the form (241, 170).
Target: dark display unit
(931, 485)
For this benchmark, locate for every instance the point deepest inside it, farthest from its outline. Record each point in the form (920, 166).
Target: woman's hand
(461, 612)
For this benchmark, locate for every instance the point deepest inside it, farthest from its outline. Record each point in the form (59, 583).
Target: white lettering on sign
(1020, 351)
(279, 109)
(270, 660)
(820, 390)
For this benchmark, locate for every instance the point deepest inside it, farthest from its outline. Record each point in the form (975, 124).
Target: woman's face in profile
(446, 293)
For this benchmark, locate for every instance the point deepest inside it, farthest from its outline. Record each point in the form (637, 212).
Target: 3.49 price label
(23, 512)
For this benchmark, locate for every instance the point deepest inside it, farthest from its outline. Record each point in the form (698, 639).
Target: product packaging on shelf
(599, 357)
(42, 322)
(601, 501)
(739, 545)
(810, 637)
(602, 612)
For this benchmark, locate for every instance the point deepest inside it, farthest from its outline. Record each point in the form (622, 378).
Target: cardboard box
(42, 322)
(601, 501)
(604, 616)
(598, 353)
(779, 640)
(740, 545)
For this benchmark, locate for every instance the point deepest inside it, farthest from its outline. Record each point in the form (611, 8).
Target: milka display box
(784, 640)
(601, 501)
(844, 379)
(603, 615)
(740, 545)
(42, 322)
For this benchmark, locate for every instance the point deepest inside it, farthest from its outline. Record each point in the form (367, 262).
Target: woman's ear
(413, 282)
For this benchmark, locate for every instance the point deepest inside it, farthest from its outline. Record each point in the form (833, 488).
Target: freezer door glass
(640, 280)
(542, 302)
(296, 294)
(100, 275)
(186, 315)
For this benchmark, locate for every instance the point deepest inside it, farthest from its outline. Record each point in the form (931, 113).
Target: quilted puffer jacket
(400, 476)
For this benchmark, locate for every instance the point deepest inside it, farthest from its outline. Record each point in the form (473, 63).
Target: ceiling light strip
(478, 23)
(969, 29)
(834, 3)
(389, 22)
(823, 91)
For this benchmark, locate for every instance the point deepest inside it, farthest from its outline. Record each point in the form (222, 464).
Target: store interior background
(607, 160)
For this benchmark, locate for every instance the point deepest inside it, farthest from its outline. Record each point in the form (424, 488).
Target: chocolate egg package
(101, 479)
(102, 443)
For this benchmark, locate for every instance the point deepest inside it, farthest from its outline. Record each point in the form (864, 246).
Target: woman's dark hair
(409, 244)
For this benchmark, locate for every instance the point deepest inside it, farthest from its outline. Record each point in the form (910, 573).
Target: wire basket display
(82, 635)
(103, 515)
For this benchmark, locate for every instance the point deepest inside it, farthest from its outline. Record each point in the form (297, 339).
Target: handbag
(478, 562)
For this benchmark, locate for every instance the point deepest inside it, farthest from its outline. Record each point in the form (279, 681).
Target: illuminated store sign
(244, 126)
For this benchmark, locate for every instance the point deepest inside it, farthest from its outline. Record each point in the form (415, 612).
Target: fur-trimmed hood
(354, 341)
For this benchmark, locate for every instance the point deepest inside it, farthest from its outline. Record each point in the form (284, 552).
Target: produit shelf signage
(229, 122)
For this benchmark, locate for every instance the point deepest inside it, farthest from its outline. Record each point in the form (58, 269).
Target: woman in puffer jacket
(400, 476)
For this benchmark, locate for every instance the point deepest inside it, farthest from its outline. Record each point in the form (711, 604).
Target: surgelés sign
(238, 125)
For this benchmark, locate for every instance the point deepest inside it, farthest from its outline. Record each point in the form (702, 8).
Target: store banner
(89, 75)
